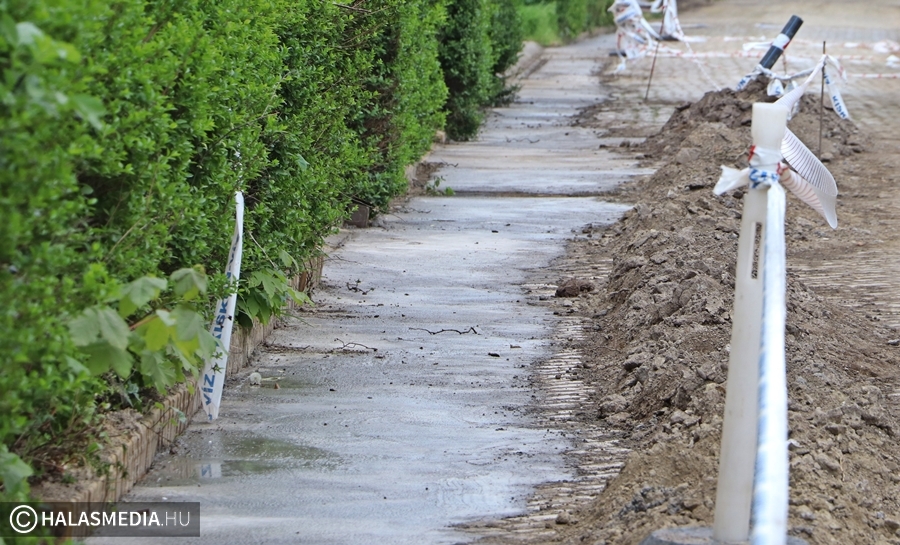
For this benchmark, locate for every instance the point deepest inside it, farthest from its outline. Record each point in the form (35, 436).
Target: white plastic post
(734, 493)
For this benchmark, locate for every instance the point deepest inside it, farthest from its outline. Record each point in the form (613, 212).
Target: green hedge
(407, 94)
(572, 17)
(467, 58)
(482, 38)
(127, 125)
(577, 16)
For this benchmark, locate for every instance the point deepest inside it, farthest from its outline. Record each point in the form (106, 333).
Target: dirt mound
(732, 109)
(662, 323)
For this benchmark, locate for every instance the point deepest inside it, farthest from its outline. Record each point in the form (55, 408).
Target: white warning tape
(836, 100)
(634, 35)
(875, 76)
(883, 46)
(810, 180)
(213, 378)
(701, 65)
(856, 57)
(751, 54)
(671, 27)
(712, 54)
(781, 42)
(772, 469)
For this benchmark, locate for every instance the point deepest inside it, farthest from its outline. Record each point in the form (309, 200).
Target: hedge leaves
(127, 126)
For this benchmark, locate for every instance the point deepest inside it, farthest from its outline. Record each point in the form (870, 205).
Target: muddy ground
(661, 323)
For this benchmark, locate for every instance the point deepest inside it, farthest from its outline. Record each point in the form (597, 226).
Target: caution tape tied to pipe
(779, 85)
(634, 35)
(807, 177)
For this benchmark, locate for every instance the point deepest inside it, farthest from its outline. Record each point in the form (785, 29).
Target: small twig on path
(470, 330)
(358, 289)
(353, 345)
(272, 347)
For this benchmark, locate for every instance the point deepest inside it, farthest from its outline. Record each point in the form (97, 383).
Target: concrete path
(403, 404)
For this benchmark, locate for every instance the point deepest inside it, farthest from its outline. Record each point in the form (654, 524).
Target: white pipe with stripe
(739, 431)
(770, 483)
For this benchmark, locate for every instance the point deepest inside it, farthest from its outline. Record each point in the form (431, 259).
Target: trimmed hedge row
(127, 126)
(481, 40)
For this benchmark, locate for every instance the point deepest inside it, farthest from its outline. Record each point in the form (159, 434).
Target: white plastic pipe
(734, 492)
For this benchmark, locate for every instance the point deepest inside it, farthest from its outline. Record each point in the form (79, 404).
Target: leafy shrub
(598, 13)
(506, 41)
(539, 23)
(467, 58)
(265, 295)
(577, 16)
(43, 249)
(127, 126)
(408, 95)
(482, 38)
(166, 341)
(572, 16)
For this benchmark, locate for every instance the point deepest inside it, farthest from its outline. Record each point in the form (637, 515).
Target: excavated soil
(660, 326)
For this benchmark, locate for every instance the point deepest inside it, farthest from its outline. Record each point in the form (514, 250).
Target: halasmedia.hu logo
(124, 519)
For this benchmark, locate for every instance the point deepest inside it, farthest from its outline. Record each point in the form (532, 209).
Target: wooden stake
(656, 51)
(821, 104)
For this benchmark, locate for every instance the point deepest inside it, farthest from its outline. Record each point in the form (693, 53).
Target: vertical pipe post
(656, 52)
(780, 43)
(821, 104)
(734, 491)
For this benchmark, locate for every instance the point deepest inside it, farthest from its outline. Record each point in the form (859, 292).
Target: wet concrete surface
(406, 403)
(532, 146)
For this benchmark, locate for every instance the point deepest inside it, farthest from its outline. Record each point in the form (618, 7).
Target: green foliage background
(577, 16)
(552, 22)
(126, 126)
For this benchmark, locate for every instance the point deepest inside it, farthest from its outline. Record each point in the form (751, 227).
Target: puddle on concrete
(286, 384)
(218, 455)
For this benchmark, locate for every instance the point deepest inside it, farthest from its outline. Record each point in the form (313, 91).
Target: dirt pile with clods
(660, 328)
